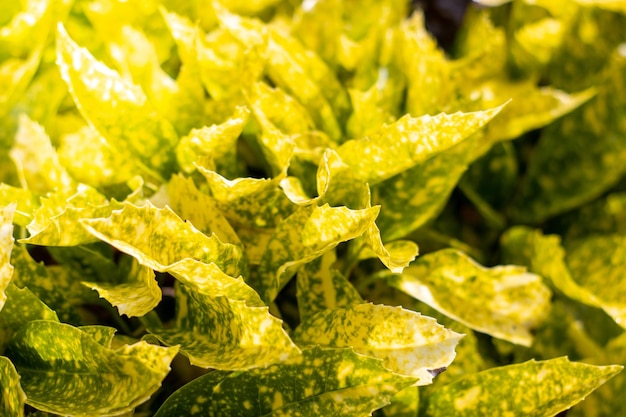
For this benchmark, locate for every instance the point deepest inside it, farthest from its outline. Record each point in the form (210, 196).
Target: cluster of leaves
(214, 207)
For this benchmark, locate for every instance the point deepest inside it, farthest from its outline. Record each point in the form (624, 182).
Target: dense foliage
(215, 207)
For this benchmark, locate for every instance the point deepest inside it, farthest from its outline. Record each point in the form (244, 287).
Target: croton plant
(214, 208)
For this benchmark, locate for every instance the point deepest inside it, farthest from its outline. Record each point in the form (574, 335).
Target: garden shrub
(215, 207)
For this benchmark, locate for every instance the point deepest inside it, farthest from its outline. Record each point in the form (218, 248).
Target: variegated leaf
(321, 287)
(407, 342)
(136, 295)
(118, 109)
(504, 301)
(217, 142)
(597, 263)
(215, 331)
(25, 200)
(200, 209)
(13, 398)
(322, 382)
(530, 389)
(158, 238)
(304, 236)
(65, 371)
(238, 200)
(408, 142)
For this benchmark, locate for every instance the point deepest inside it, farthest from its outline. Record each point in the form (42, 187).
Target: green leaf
(217, 142)
(217, 328)
(238, 199)
(158, 238)
(64, 370)
(568, 169)
(325, 382)
(597, 264)
(504, 301)
(530, 389)
(409, 142)
(280, 109)
(21, 307)
(91, 160)
(57, 221)
(407, 342)
(302, 74)
(118, 109)
(25, 200)
(36, 160)
(322, 287)
(6, 246)
(544, 255)
(136, 296)
(50, 284)
(305, 235)
(200, 209)
(13, 397)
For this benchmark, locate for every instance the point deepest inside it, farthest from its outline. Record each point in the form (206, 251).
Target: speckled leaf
(218, 142)
(306, 77)
(417, 195)
(567, 168)
(325, 382)
(118, 109)
(228, 334)
(238, 199)
(21, 307)
(280, 109)
(57, 221)
(530, 108)
(395, 255)
(57, 290)
(158, 238)
(404, 404)
(90, 159)
(136, 295)
(597, 263)
(25, 200)
(504, 301)
(544, 255)
(408, 142)
(198, 208)
(102, 334)
(322, 287)
(6, 246)
(36, 160)
(531, 389)
(208, 279)
(302, 237)
(65, 371)
(276, 146)
(407, 342)
(12, 397)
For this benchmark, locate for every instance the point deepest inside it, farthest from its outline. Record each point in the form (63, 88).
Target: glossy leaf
(504, 301)
(323, 381)
(407, 342)
(215, 331)
(21, 307)
(25, 200)
(170, 239)
(304, 236)
(13, 397)
(64, 370)
(408, 142)
(118, 109)
(531, 389)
